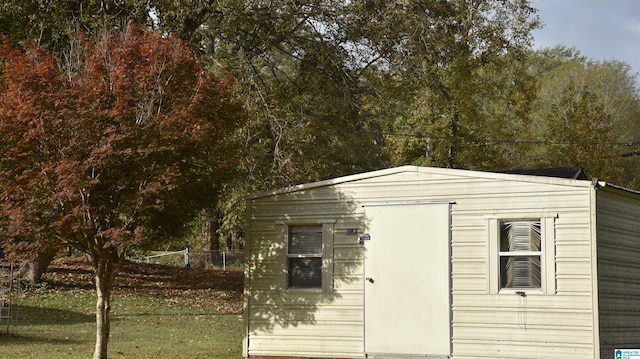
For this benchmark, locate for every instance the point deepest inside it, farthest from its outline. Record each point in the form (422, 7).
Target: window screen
(304, 256)
(520, 254)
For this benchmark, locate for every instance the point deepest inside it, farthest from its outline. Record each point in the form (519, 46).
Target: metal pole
(224, 260)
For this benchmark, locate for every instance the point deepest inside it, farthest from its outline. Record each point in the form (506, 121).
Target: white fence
(199, 259)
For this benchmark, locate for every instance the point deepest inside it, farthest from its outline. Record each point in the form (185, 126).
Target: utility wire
(487, 141)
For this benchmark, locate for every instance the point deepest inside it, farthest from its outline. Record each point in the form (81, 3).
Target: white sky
(599, 29)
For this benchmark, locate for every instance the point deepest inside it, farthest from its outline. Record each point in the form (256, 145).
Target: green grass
(157, 312)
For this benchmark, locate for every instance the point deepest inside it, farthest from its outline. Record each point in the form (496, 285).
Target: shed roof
(430, 170)
(560, 172)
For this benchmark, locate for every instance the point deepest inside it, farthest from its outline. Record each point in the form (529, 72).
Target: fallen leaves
(173, 287)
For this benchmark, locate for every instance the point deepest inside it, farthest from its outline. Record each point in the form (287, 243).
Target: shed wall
(618, 238)
(485, 325)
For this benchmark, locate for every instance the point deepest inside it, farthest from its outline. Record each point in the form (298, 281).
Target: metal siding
(509, 326)
(618, 238)
(289, 322)
(484, 325)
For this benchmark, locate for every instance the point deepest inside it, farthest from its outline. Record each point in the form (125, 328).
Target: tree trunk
(211, 237)
(33, 268)
(105, 271)
(453, 147)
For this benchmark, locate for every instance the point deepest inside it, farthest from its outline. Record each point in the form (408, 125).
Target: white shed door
(407, 280)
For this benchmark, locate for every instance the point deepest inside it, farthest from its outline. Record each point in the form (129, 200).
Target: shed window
(304, 256)
(520, 254)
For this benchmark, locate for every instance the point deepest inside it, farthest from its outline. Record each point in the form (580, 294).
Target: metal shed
(442, 263)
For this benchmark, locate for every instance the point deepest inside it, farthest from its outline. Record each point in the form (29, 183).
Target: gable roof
(578, 182)
(559, 172)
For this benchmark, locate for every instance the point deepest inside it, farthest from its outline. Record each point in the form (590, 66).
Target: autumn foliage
(113, 146)
(123, 148)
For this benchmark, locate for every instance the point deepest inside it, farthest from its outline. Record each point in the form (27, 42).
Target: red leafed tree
(113, 147)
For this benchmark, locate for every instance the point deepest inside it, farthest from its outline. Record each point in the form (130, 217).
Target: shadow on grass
(48, 316)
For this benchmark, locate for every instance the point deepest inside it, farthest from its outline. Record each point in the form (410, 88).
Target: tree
(52, 24)
(299, 82)
(450, 58)
(599, 102)
(580, 130)
(328, 82)
(118, 154)
(483, 129)
(55, 26)
(431, 56)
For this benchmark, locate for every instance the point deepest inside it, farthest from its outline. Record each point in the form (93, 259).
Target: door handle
(369, 279)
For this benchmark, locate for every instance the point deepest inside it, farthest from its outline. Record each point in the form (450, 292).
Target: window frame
(516, 253)
(546, 253)
(327, 226)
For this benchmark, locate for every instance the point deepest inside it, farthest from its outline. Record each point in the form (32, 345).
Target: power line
(419, 135)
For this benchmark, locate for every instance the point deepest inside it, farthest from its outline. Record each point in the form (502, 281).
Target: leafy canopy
(113, 147)
(586, 112)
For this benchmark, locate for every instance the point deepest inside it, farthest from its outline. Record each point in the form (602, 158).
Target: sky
(599, 29)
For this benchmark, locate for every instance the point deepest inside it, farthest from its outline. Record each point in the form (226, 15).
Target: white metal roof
(430, 170)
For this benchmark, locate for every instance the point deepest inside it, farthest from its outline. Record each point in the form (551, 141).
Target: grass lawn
(157, 312)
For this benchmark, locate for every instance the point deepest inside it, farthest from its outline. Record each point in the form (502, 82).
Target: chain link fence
(10, 292)
(196, 258)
